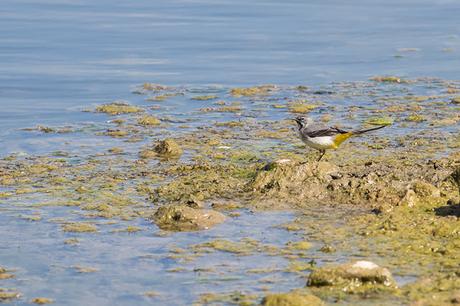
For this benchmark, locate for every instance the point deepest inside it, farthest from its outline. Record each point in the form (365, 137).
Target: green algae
(380, 121)
(388, 79)
(148, 121)
(154, 87)
(416, 118)
(8, 295)
(412, 228)
(234, 107)
(79, 227)
(117, 108)
(301, 107)
(252, 91)
(204, 98)
(168, 148)
(293, 298)
(42, 300)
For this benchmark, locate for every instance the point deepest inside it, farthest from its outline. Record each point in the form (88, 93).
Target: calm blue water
(59, 56)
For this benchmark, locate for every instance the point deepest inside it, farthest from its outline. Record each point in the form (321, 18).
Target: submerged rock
(168, 148)
(293, 298)
(185, 218)
(350, 275)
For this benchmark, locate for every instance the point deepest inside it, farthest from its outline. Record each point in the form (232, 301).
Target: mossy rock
(352, 275)
(117, 108)
(294, 298)
(286, 179)
(184, 218)
(168, 148)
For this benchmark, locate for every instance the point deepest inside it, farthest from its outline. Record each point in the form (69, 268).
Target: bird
(322, 137)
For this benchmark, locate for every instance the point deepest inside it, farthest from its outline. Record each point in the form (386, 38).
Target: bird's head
(302, 121)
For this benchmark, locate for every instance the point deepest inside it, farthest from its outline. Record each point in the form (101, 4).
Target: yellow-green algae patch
(380, 121)
(79, 227)
(293, 298)
(117, 108)
(7, 295)
(148, 121)
(388, 79)
(42, 300)
(252, 91)
(301, 107)
(204, 98)
(232, 298)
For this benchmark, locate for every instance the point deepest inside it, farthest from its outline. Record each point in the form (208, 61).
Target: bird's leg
(322, 154)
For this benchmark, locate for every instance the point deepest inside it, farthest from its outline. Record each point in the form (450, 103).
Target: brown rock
(185, 218)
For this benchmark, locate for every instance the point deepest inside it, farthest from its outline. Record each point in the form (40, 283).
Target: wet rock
(293, 298)
(117, 108)
(419, 192)
(456, 100)
(168, 148)
(185, 218)
(349, 275)
(289, 179)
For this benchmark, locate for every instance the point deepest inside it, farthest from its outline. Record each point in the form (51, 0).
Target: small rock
(168, 148)
(185, 218)
(355, 273)
(456, 100)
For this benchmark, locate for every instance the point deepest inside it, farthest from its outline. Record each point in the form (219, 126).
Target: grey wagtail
(321, 137)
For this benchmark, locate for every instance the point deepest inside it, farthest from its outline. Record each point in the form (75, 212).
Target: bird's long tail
(358, 132)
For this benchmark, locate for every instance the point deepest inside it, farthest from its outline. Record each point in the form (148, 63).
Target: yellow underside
(341, 138)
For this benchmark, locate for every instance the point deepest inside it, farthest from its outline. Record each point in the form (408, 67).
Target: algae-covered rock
(7, 295)
(456, 100)
(388, 79)
(42, 301)
(117, 108)
(420, 192)
(349, 275)
(168, 148)
(294, 298)
(293, 180)
(185, 218)
(79, 227)
(148, 121)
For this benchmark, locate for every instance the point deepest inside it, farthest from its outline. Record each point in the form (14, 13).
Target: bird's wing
(326, 131)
